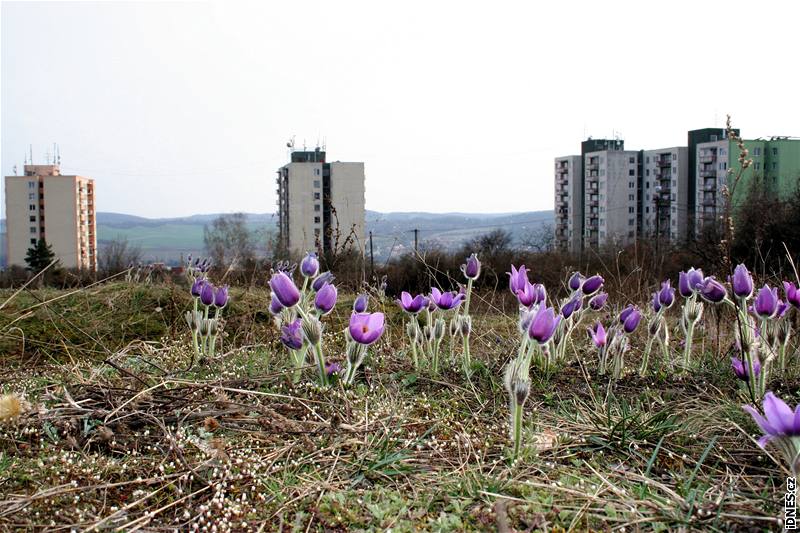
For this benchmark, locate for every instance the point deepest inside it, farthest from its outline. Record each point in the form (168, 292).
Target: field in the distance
(118, 436)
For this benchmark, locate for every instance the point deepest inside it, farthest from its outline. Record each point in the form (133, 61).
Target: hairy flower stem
(323, 376)
(206, 336)
(687, 349)
(217, 316)
(467, 357)
(516, 428)
(646, 356)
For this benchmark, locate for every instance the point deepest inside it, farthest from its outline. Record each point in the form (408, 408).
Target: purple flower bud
(221, 297)
(292, 335)
(197, 286)
(275, 306)
(412, 305)
(630, 318)
(446, 300)
(740, 368)
(575, 281)
(655, 302)
(666, 296)
(688, 281)
(544, 325)
(284, 289)
(517, 279)
(472, 268)
(309, 267)
(712, 290)
(321, 280)
(326, 298)
(782, 308)
(539, 294)
(207, 294)
(361, 302)
(742, 282)
(592, 284)
(571, 306)
(766, 304)
(598, 301)
(792, 294)
(598, 334)
(366, 328)
(526, 295)
(332, 368)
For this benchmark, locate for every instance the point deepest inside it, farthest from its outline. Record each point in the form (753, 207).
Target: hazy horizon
(178, 108)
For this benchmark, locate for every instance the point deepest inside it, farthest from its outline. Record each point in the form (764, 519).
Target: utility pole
(371, 258)
(416, 241)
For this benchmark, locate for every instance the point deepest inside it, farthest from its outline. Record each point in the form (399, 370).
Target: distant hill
(167, 239)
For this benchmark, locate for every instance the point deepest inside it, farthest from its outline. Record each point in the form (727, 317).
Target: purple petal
(779, 414)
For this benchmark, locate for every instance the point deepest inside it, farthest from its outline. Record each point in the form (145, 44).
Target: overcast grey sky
(185, 107)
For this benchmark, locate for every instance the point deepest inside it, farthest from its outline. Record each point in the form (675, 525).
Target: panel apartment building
(667, 194)
(320, 204)
(44, 204)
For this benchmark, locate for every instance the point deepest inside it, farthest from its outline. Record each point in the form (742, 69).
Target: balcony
(709, 201)
(708, 158)
(708, 173)
(592, 166)
(562, 170)
(661, 163)
(711, 186)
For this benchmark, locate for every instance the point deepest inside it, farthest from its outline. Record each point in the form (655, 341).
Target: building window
(32, 207)
(33, 241)
(602, 172)
(631, 172)
(316, 220)
(631, 210)
(647, 185)
(774, 165)
(316, 232)
(631, 221)
(775, 151)
(713, 138)
(674, 170)
(756, 152)
(631, 160)
(647, 172)
(316, 184)
(316, 196)
(33, 229)
(674, 156)
(33, 218)
(316, 172)
(31, 196)
(31, 184)
(317, 207)
(758, 165)
(631, 184)
(722, 151)
(647, 209)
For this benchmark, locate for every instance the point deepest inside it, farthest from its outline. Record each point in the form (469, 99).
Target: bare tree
(540, 239)
(491, 244)
(229, 240)
(118, 255)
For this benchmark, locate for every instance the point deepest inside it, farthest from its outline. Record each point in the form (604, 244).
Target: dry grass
(118, 437)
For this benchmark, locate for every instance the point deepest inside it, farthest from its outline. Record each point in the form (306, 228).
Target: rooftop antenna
(324, 144)
(31, 149)
(58, 152)
(26, 158)
(15, 170)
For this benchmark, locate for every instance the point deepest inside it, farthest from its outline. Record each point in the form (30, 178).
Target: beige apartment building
(665, 198)
(320, 204)
(569, 203)
(44, 204)
(610, 218)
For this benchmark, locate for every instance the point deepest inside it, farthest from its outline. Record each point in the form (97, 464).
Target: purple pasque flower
(412, 305)
(532, 294)
(284, 289)
(207, 294)
(325, 299)
(517, 279)
(766, 302)
(332, 368)
(366, 328)
(472, 267)
(544, 325)
(275, 305)
(742, 371)
(575, 281)
(630, 318)
(361, 302)
(780, 420)
(571, 306)
(598, 334)
(792, 294)
(712, 290)
(598, 301)
(782, 308)
(446, 300)
(221, 297)
(321, 280)
(688, 281)
(309, 266)
(742, 282)
(292, 334)
(197, 286)
(666, 296)
(655, 302)
(592, 284)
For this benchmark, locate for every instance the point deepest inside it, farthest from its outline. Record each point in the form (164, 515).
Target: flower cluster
(204, 325)
(299, 312)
